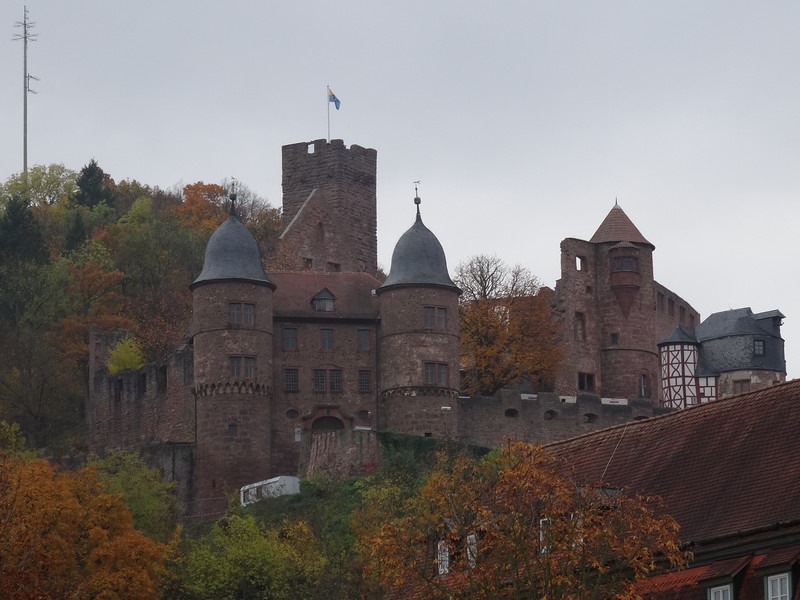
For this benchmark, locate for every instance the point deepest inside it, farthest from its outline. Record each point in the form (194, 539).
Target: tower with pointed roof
(232, 339)
(614, 312)
(418, 338)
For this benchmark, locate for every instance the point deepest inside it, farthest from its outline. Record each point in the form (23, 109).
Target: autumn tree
(94, 186)
(507, 328)
(510, 526)
(63, 536)
(45, 185)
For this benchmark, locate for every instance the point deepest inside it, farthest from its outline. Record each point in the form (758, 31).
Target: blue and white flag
(332, 98)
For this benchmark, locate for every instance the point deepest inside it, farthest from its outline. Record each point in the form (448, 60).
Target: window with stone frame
(289, 339)
(626, 263)
(242, 367)
(364, 381)
(335, 380)
(740, 386)
(435, 374)
(291, 379)
(241, 313)
(434, 317)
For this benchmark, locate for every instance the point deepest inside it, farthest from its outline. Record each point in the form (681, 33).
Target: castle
(274, 358)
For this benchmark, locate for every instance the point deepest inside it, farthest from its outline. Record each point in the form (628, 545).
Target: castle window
(580, 263)
(364, 381)
(240, 313)
(324, 301)
(335, 378)
(326, 339)
(335, 267)
(291, 380)
(626, 263)
(292, 413)
(758, 347)
(290, 339)
(320, 380)
(590, 418)
(740, 386)
(435, 317)
(364, 415)
(512, 413)
(586, 382)
(682, 315)
(363, 340)
(661, 300)
(614, 339)
(671, 307)
(435, 373)
(644, 386)
(242, 367)
(580, 326)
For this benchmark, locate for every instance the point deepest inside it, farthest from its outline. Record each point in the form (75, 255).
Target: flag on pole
(332, 98)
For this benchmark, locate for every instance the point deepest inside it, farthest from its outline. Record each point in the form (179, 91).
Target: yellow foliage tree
(510, 526)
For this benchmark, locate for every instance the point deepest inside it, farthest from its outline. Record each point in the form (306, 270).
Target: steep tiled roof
(353, 293)
(617, 227)
(725, 467)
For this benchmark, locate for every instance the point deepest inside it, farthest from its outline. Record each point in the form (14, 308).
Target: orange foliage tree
(203, 208)
(509, 526)
(62, 536)
(507, 328)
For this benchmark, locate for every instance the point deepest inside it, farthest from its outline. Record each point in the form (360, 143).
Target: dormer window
(720, 592)
(778, 587)
(324, 301)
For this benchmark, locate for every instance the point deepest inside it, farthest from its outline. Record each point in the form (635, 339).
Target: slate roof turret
(418, 259)
(232, 254)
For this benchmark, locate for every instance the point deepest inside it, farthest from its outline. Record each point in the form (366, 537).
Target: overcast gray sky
(523, 120)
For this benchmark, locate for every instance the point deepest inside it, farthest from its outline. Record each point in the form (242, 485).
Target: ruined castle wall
(547, 417)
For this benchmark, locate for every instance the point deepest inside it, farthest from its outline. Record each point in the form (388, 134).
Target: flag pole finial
(417, 199)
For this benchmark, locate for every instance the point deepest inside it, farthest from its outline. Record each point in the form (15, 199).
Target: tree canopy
(508, 331)
(511, 526)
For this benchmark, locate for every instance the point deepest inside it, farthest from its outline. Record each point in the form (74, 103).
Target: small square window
(614, 339)
(740, 386)
(758, 347)
(435, 317)
(240, 313)
(435, 373)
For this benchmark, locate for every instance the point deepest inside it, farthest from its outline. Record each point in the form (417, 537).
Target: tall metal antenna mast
(26, 36)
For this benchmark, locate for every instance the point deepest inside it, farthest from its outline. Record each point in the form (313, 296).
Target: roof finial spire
(417, 201)
(232, 196)
(616, 204)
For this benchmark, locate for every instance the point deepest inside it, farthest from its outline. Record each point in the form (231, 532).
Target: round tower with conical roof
(418, 338)
(232, 340)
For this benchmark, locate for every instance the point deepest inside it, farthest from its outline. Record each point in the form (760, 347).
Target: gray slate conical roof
(418, 259)
(232, 253)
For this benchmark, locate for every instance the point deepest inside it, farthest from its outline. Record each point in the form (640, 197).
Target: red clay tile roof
(723, 468)
(353, 293)
(617, 227)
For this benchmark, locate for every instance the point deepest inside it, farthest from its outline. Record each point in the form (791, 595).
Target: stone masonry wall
(347, 179)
